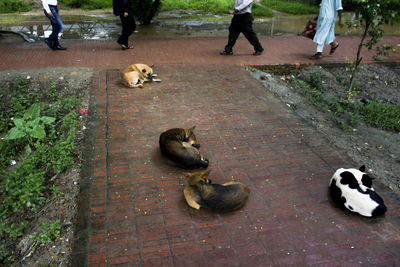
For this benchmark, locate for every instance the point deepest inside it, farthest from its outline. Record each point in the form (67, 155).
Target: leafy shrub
(10, 6)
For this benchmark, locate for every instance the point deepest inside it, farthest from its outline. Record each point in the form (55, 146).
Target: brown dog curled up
(181, 147)
(136, 74)
(201, 192)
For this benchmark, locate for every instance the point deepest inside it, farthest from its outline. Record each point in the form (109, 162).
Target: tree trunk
(358, 59)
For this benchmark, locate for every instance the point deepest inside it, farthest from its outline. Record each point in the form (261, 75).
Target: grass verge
(37, 130)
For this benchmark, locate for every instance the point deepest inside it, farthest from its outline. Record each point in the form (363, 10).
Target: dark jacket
(121, 6)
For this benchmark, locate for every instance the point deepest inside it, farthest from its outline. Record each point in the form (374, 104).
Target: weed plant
(37, 130)
(347, 110)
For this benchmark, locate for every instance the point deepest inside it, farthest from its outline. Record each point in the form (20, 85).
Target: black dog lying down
(181, 147)
(201, 192)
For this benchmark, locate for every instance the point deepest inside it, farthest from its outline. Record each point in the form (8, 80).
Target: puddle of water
(107, 27)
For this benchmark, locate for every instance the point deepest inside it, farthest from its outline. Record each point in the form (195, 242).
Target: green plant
(31, 126)
(372, 15)
(48, 232)
(291, 7)
(382, 115)
(41, 142)
(313, 88)
(10, 6)
(57, 193)
(206, 6)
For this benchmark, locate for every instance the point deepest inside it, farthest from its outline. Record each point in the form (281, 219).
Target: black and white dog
(352, 189)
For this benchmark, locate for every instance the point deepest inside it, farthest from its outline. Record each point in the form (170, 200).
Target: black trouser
(242, 23)
(128, 27)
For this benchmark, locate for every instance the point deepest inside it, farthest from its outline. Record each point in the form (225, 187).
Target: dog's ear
(194, 127)
(205, 174)
(151, 66)
(362, 168)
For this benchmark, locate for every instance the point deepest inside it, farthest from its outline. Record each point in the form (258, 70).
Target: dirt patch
(69, 82)
(379, 150)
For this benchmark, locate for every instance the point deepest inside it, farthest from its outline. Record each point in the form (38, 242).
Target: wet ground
(106, 26)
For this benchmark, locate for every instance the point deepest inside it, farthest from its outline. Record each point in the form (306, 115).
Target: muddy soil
(379, 150)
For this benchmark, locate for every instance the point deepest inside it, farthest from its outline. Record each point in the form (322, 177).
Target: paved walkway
(132, 210)
(205, 51)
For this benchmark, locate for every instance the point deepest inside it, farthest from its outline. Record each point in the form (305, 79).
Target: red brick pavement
(107, 54)
(132, 210)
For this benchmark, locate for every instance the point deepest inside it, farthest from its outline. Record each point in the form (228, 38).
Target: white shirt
(243, 6)
(46, 3)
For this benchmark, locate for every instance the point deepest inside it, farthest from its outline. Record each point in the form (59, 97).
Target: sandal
(124, 47)
(333, 49)
(316, 56)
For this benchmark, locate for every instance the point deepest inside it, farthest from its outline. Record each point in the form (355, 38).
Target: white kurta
(326, 21)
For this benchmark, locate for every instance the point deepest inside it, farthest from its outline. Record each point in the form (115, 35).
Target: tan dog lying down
(136, 74)
(201, 192)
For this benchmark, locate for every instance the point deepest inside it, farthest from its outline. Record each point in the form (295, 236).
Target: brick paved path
(106, 54)
(132, 210)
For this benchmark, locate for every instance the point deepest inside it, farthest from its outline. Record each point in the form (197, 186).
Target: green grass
(349, 112)
(291, 7)
(206, 6)
(381, 115)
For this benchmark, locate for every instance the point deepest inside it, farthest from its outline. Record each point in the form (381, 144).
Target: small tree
(145, 10)
(372, 15)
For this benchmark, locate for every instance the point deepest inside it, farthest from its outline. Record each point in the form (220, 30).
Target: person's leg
(128, 27)
(250, 35)
(234, 32)
(57, 26)
(331, 38)
(320, 47)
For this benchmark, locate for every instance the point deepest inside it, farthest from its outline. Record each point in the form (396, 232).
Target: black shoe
(49, 43)
(59, 47)
(317, 55)
(258, 52)
(226, 53)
